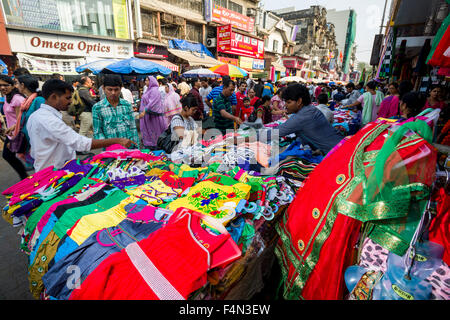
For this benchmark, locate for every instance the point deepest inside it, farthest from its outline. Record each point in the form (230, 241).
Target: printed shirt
(114, 122)
(222, 103)
(52, 141)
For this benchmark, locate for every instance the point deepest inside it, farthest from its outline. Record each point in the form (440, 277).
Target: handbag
(165, 141)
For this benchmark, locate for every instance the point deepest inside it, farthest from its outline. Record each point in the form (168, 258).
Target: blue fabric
(45, 232)
(295, 150)
(137, 66)
(67, 247)
(189, 46)
(215, 93)
(91, 253)
(268, 90)
(95, 66)
(35, 105)
(236, 228)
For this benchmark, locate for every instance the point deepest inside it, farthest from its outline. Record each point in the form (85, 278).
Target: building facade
(55, 36)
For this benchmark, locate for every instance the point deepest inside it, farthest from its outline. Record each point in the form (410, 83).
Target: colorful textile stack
(346, 121)
(126, 216)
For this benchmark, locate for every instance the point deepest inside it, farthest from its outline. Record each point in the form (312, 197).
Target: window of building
(101, 17)
(194, 32)
(275, 45)
(148, 22)
(221, 3)
(192, 5)
(234, 7)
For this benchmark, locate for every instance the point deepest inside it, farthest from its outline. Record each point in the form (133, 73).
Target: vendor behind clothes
(306, 121)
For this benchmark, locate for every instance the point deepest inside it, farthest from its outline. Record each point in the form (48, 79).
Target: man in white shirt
(53, 143)
(204, 90)
(127, 95)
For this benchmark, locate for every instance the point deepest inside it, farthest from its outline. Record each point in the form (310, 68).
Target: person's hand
(9, 130)
(142, 114)
(238, 120)
(126, 142)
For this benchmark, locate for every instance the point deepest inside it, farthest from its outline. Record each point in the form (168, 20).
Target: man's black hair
(228, 82)
(265, 98)
(55, 86)
(296, 91)
(112, 80)
(322, 98)
(246, 99)
(350, 85)
(20, 72)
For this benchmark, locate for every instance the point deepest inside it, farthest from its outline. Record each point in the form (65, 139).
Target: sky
(368, 18)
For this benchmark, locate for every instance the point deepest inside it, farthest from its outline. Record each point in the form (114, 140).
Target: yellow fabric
(155, 192)
(155, 172)
(87, 225)
(210, 198)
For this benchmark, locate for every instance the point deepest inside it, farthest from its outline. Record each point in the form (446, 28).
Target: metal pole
(384, 14)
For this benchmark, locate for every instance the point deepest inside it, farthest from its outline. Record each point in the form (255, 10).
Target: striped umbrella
(229, 70)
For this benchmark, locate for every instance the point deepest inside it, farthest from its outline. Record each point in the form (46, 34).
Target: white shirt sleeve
(62, 133)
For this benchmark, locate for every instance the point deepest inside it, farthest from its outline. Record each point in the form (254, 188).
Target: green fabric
(437, 38)
(37, 215)
(71, 216)
(368, 105)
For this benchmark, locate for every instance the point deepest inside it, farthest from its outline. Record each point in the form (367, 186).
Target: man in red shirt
(196, 84)
(318, 90)
(240, 95)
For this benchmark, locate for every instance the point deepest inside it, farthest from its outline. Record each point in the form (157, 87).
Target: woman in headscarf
(152, 119)
(172, 104)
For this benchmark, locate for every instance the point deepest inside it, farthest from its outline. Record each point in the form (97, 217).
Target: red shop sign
(239, 21)
(239, 44)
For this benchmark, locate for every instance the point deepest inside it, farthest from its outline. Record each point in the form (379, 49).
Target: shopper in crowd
(75, 83)
(252, 96)
(11, 109)
(369, 103)
(184, 87)
(183, 125)
(162, 87)
(222, 109)
(246, 110)
(250, 83)
(263, 110)
(411, 105)
(322, 99)
(318, 90)
(88, 101)
(352, 93)
(390, 104)
(53, 143)
(113, 116)
(57, 76)
(240, 95)
(278, 105)
(204, 90)
(268, 89)
(145, 85)
(360, 87)
(307, 122)
(215, 92)
(259, 87)
(127, 94)
(433, 100)
(152, 119)
(172, 104)
(196, 85)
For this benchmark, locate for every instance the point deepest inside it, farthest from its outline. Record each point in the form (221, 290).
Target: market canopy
(95, 67)
(136, 66)
(292, 79)
(229, 70)
(201, 73)
(195, 59)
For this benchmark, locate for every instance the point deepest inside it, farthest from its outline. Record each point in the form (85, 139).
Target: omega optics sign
(66, 45)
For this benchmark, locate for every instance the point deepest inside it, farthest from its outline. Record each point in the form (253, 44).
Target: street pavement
(13, 262)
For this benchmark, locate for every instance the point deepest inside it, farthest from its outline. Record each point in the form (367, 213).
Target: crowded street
(210, 150)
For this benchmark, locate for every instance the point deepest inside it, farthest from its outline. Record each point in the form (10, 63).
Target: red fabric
(253, 101)
(438, 58)
(317, 91)
(439, 231)
(326, 281)
(440, 105)
(171, 249)
(172, 180)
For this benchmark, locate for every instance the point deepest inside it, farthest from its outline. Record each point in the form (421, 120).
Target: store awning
(195, 59)
(166, 64)
(278, 66)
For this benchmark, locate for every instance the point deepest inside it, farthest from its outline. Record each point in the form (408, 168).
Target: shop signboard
(120, 18)
(150, 51)
(208, 10)
(245, 63)
(239, 21)
(39, 65)
(239, 44)
(55, 44)
(227, 60)
(292, 62)
(258, 64)
(224, 38)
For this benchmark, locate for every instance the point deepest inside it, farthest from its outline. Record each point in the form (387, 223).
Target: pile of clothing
(130, 224)
(347, 121)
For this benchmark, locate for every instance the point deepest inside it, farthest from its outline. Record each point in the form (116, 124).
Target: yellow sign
(120, 19)
(246, 63)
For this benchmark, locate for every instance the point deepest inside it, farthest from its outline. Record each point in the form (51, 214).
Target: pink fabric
(172, 105)
(28, 184)
(10, 110)
(439, 105)
(43, 221)
(389, 107)
(115, 147)
(126, 154)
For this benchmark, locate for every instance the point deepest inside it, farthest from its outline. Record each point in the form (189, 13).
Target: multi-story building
(279, 42)
(315, 38)
(55, 36)
(345, 30)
